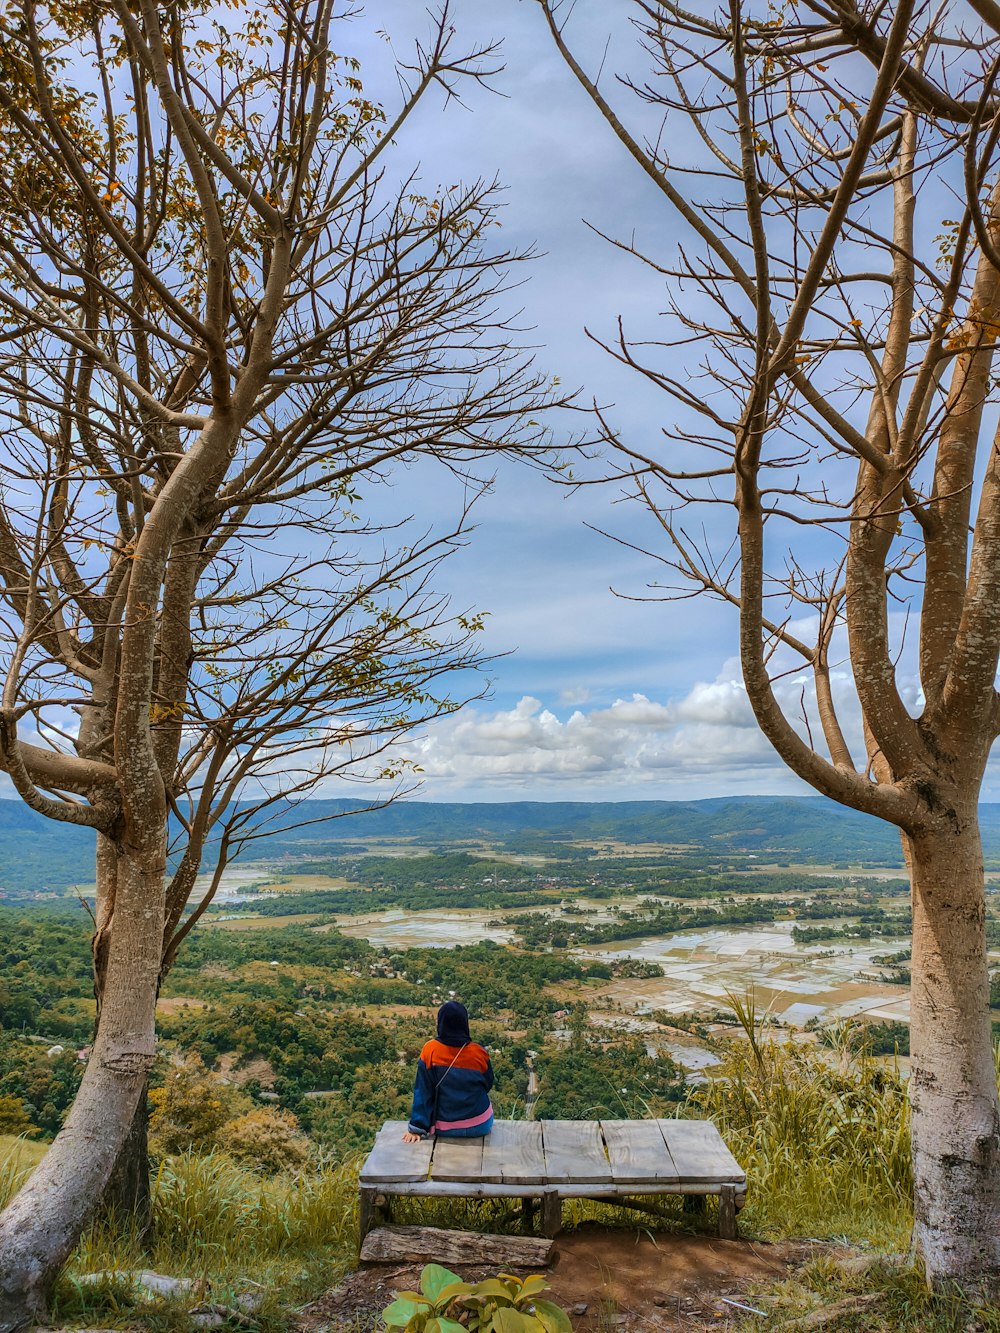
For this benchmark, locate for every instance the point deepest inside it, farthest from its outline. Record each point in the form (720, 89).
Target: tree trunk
(42, 1224)
(953, 1091)
(127, 1200)
(127, 1197)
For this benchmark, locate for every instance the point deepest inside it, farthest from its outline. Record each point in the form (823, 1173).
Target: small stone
(582, 1308)
(857, 1265)
(161, 1284)
(660, 1301)
(207, 1319)
(157, 1283)
(251, 1301)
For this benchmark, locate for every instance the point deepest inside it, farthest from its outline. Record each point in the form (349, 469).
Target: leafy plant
(502, 1304)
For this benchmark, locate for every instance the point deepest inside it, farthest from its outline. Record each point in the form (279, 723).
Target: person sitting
(451, 1095)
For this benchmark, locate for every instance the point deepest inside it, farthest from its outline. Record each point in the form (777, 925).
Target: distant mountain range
(39, 855)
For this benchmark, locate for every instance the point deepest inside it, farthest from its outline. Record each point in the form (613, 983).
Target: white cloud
(723, 703)
(575, 695)
(637, 742)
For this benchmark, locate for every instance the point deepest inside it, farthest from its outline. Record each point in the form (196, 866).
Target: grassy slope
(20, 1153)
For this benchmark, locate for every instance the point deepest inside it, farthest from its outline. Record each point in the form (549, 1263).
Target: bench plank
(637, 1153)
(393, 1160)
(457, 1159)
(574, 1152)
(512, 1153)
(699, 1154)
(566, 1189)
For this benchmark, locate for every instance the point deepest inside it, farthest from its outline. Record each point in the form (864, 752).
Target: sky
(595, 695)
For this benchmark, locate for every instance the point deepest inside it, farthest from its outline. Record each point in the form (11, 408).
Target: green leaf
(552, 1317)
(443, 1326)
(450, 1293)
(401, 1311)
(507, 1320)
(531, 1286)
(492, 1288)
(434, 1279)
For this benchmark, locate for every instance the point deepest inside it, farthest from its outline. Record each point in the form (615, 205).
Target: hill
(38, 856)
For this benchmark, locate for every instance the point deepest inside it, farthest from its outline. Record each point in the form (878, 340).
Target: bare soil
(627, 1281)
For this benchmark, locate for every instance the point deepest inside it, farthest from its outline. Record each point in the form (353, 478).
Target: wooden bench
(552, 1160)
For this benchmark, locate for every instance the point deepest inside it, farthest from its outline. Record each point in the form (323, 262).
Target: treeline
(325, 965)
(537, 929)
(871, 923)
(356, 902)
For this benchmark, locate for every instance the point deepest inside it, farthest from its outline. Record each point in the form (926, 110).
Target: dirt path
(627, 1282)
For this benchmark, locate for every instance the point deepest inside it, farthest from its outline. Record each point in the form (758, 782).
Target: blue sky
(599, 697)
(596, 696)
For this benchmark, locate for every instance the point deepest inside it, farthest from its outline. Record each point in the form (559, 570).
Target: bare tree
(830, 468)
(226, 322)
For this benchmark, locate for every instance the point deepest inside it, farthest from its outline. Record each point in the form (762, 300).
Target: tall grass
(287, 1238)
(208, 1210)
(824, 1136)
(211, 1215)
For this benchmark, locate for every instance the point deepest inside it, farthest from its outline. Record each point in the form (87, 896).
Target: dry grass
(215, 1222)
(825, 1141)
(883, 1298)
(18, 1157)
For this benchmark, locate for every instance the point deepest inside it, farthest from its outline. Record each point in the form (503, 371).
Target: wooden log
(566, 1189)
(391, 1245)
(727, 1212)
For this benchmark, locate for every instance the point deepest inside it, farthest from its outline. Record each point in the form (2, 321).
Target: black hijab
(453, 1024)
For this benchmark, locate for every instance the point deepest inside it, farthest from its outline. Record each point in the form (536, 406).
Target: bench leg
(528, 1214)
(367, 1210)
(727, 1212)
(551, 1215)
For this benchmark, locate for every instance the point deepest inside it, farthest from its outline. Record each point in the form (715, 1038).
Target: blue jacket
(451, 1094)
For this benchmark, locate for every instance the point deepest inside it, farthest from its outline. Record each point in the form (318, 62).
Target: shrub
(191, 1107)
(348, 1120)
(266, 1139)
(15, 1117)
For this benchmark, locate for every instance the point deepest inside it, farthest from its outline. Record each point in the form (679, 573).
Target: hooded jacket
(454, 1077)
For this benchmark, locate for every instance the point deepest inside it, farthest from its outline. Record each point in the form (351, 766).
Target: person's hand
(411, 1138)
